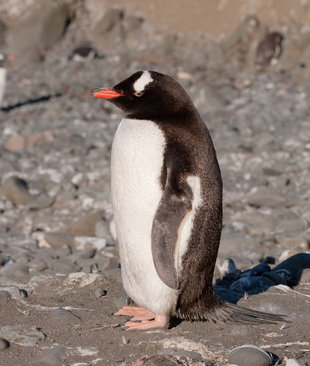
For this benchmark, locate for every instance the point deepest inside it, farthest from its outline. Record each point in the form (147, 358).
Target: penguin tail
(227, 312)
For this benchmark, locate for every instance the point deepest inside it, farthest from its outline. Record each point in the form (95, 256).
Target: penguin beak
(105, 93)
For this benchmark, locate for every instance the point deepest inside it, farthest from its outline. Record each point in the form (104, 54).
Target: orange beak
(105, 93)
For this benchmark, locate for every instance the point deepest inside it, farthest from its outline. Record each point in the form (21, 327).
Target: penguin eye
(139, 93)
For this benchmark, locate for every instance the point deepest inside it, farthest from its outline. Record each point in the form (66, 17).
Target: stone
(158, 360)
(293, 362)
(43, 25)
(16, 190)
(102, 229)
(85, 226)
(293, 242)
(51, 357)
(4, 297)
(264, 197)
(242, 330)
(109, 27)
(305, 276)
(249, 355)
(40, 201)
(63, 316)
(16, 271)
(24, 142)
(64, 265)
(99, 292)
(85, 242)
(57, 240)
(22, 335)
(4, 344)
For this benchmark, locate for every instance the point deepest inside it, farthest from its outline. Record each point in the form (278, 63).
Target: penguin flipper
(176, 201)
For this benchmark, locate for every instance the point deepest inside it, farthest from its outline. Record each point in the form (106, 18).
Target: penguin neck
(179, 117)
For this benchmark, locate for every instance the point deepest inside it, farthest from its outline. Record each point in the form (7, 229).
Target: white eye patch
(143, 81)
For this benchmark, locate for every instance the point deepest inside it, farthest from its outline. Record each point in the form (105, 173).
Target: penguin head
(147, 94)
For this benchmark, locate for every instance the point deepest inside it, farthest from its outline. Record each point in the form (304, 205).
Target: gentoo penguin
(269, 48)
(167, 199)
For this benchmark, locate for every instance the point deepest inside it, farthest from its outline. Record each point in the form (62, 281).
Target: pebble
(249, 355)
(293, 362)
(59, 239)
(63, 316)
(4, 297)
(22, 335)
(64, 265)
(85, 226)
(4, 344)
(51, 357)
(99, 292)
(16, 191)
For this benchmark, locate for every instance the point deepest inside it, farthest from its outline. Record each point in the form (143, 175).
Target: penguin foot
(160, 322)
(136, 312)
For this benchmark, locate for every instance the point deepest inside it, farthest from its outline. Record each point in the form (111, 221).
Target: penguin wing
(176, 201)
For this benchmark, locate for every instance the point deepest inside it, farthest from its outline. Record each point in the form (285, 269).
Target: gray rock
(102, 229)
(85, 226)
(265, 197)
(109, 27)
(42, 27)
(16, 191)
(51, 357)
(99, 292)
(64, 265)
(63, 316)
(293, 362)
(4, 297)
(23, 335)
(16, 271)
(59, 239)
(249, 355)
(305, 276)
(39, 202)
(4, 344)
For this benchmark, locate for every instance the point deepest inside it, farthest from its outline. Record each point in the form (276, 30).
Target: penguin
(269, 49)
(166, 189)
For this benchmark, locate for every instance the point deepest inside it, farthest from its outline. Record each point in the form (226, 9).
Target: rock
(108, 28)
(64, 265)
(293, 362)
(4, 297)
(16, 190)
(99, 292)
(25, 142)
(305, 277)
(85, 226)
(39, 202)
(264, 197)
(16, 271)
(57, 240)
(249, 355)
(84, 242)
(290, 222)
(42, 26)
(51, 357)
(63, 316)
(22, 335)
(293, 242)
(102, 229)
(4, 344)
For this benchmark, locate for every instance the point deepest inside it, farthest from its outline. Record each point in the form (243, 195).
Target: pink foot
(136, 312)
(160, 321)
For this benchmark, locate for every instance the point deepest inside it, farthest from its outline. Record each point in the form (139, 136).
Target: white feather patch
(137, 159)
(143, 81)
(186, 225)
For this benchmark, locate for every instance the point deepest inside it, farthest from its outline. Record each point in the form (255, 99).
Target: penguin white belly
(136, 163)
